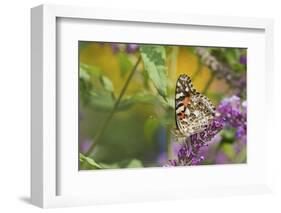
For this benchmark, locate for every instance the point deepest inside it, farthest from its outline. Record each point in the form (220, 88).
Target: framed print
(148, 105)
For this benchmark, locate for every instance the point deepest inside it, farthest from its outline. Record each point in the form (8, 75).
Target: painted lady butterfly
(193, 111)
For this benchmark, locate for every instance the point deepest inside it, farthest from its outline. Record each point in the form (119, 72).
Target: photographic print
(151, 105)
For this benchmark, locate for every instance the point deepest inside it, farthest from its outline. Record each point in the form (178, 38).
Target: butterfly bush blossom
(222, 70)
(129, 48)
(231, 112)
(235, 112)
(243, 60)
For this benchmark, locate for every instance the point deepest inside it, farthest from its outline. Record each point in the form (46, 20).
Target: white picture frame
(50, 188)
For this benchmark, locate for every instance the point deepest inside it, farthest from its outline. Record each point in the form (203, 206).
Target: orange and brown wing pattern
(193, 111)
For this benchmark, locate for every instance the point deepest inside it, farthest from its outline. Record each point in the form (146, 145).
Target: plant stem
(108, 119)
(210, 81)
(198, 70)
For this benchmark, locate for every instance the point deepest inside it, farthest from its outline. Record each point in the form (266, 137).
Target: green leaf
(228, 135)
(84, 75)
(106, 83)
(239, 67)
(110, 166)
(124, 63)
(92, 70)
(106, 103)
(88, 163)
(136, 99)
(102, 102)
(127, 163)
(232, 56)
(154, 58)
(168, 103)
(135, 163)
(143, 98)
(85, 85)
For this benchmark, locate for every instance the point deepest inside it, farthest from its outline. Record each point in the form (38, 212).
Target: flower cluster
(231, 112)
(220, 69)
(235, 113)
(189, 153)
(129, 48)
(243, 59)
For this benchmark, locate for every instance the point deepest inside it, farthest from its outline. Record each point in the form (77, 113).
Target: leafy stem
(108, 119)
(198, 70)
(210, 81)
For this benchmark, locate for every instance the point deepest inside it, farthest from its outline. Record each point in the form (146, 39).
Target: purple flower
(189, 152)
(235, 114)
(132, 48)
(243, 59)
(129, 48)
(115, 47)
(241, 131)
(231, 110)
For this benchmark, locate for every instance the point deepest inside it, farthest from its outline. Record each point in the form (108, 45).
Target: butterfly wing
(184, 92)
(202, 112)
(193, 111)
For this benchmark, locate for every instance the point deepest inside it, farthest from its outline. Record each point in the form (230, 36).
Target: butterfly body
(193, 111)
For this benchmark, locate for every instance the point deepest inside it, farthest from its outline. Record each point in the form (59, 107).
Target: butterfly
(193, 111)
